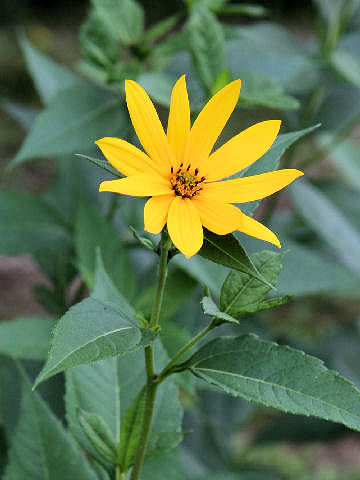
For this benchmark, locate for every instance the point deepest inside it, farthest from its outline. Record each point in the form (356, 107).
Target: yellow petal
(125, 157)
(247, 189)
(256, 229)
(241, 151)
(156, 212)
(148, 126)
(142, 185)
(184, 226)
(178, 128)
(209, 124)
(218, 217)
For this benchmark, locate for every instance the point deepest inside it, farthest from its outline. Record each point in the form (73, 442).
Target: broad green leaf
(252, 10)
(277, 376)
(124, 19)
(29, 224)
(271, 160)
(347, 67)
(210, 308)
(328, 222)
(161, 28)
(308, 272)
(91, 231)
(206, 44)
(227, 250)
(242, 293)
(41, 448)
(48, 76)
(102, 164)
(26, 337)
(73, 120)
(92, 330)
(24, 116)
(259, 90)
(99, 435)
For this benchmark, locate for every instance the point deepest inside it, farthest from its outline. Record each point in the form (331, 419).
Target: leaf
(124, 19)
(92, 330)
(242, 293)
(252, 10)
(108, 388)
(329, 222)
(277, 376)
(206, 44)
(104, 164)
(210, 308)
(91, 231)
(48, 76)
(26, 337)
(164, 467)
(161, 28)
(309, 271)
(347, 67)
(33, 454)
(73, 120)
(24, 116)
(99, 434)
(227, 250)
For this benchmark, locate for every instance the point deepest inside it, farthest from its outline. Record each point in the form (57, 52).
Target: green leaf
(26, 337)
(242, 293)
(104, 164)
(347, 67)
(91, 231)
(73, 120)
(309, 271)
(250, 10)
(99, 434)
(227, 250)
(48, 76)
(164, 467)
(92, 330)
(207, 45)
(41, 448)
(28, 224)
(24, 116)
(210, 308)
(329, 222)
(161, 28)
(277, 376)
(124, 19)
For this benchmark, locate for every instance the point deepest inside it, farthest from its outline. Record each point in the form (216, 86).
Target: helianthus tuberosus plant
(127, 333)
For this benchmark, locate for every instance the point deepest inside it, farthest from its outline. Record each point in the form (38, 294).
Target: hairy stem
(151, 384)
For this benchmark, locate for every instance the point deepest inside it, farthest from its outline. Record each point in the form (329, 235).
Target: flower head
(181, 175)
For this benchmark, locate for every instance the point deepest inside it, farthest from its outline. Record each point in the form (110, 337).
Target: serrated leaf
(329, 222)
(210, 308)
(48, 76)
(41, 448)
(207, 45)
(242, 293)
(99, 435)
(227, 250)
(26, 337)
(92, 330)
(277, 376)
(124, 19)
(73, 120)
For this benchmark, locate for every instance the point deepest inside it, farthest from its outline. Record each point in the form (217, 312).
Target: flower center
(184, 183)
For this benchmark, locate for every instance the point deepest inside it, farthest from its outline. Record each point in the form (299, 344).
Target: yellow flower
(181, 175)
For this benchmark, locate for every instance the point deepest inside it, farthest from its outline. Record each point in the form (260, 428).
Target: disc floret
(186, 182)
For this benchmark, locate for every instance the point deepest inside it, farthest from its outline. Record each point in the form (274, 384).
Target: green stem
(151, 383)
(166, 370)
(119, 474)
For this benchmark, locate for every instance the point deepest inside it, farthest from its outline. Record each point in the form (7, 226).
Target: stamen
(202, 179)
(172, 169)
(196, 171)
(188, 167)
